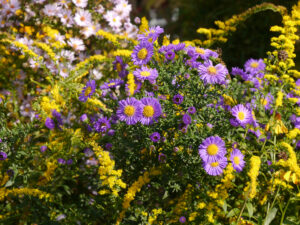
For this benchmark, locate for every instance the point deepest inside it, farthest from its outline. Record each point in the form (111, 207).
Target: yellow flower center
(142, 54)
(145, 73)
(214, 164)
(241, 115)
(87, 91)
(264, 101)
(129, 110)
(212, 70)
(212, 149)
(236, 160)
(200, 50)
(119, 67)
(82, 18)
(254, 65)
(111, 84)
(148, 111)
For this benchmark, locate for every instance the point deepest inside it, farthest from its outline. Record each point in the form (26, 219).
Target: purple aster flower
(178, 99)
(216, 167)
(192, 110)
(209, 125)
(142, 53)
(240, 72)
(57, 117)
(151, 35)
(186, 119)
(69, 161)
(49, 123)
(162, 157)
(211, 74)
(205, 53)
(43, 148)
(61, 161)
(237, 159)
(212, 148)
(170, 55)
(269, 163)
(155, 137)
(87, 91)
(254, 66)
(242, 114)
(111, 132)
(83, 118)
(120, 67)
(88, 152)
(102, 125)
(151, 110)
(108, 146)
(298, 145)
(3, 156)
(130, 111)
(146, 73)
(267, 101)
(182, 219)
(111, 84)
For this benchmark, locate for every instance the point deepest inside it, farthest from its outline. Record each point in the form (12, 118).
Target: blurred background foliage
(181, 19)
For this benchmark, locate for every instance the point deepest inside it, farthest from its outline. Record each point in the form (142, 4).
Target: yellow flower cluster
(134, 188)
(154, 214)
(279, 99)
(229, 26)
(108, 176)
(47, 49)
(293, 133)
(48, 105)
(46, 177)
(122, 52)
(144, 25)
(97, 102)
(253, 173)
(114, 37)
(57, 97)
(182, 203)
(229, 100)
(91, 60)
(292, 160)
(24, 191)
(131, 84)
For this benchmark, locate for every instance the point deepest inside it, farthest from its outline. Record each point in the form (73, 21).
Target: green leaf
(271, 215)
(250, 209)
(233, 212)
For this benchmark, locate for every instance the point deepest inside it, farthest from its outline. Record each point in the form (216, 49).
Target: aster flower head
(267, 101)
(182, 219)
(151, 35)
(146, 73)
(211, 74)
(142, 53)
(102, 125)
(111, 84)
(49, 123)
(151, 110)
(242, 115)
(162, 157)
(3, 156)
(170, 55)
(43, 148)
(80, 3)
(83, 18)
(216, 167)
(192, 110)
(205, 53)
(254, 66)
(120, 67)
(87, 91)
(130, 110)
(61, 161)
(155, 137)
(186, 119)
(237, 159)
(212, 148)
(177, 99)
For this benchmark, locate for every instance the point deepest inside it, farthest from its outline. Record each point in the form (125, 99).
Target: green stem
(283, 214)
(242, 210)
